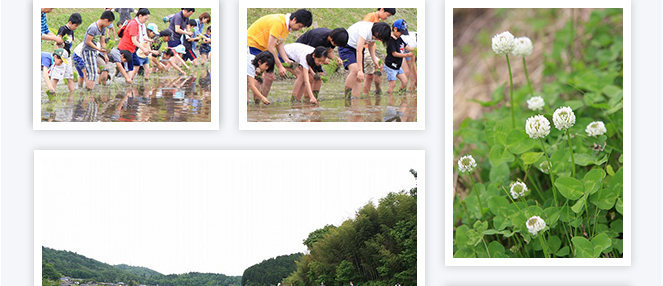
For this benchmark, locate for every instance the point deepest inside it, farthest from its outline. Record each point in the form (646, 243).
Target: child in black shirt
(66, 33)
(395, 53)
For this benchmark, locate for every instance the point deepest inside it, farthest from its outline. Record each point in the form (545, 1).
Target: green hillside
(60, 263)
(270, 271)
(138, 270)
(60, 16)
(333, 18)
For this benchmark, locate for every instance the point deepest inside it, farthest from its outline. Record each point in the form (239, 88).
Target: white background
(19, 141)
(207, 211)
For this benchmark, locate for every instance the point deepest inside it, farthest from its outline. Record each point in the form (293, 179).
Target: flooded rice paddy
(163, 98)
(333, 107)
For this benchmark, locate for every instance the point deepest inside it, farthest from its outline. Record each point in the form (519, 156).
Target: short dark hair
(303, 16)
(209, 28)
(127, 55)
(165, 33)
(76, 18)
(264, 57)
(339, 36)
(142, 12)
(204, 15)
(382, 31)
(189, 9)
(168, 52)
(107, 15)
(391, 11)
(193, 23)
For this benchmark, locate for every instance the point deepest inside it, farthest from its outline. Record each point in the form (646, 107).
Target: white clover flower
(523, 47)
(564, 118)
(544, 167)
(537, 126)
(535, 103)
(466, 164)
(503, 43)
(518, 189)
(535, 224)
(596, 128)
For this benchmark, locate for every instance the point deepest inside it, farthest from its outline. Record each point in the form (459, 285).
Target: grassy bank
(60, 16)
(333, 18)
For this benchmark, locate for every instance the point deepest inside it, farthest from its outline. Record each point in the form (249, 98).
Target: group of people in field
(138, 49)
(267, 51)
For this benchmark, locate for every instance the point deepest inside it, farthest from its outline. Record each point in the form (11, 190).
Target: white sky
(204, 211)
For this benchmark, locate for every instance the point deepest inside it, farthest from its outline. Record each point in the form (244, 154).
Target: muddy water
(166, 98)
(333, 107)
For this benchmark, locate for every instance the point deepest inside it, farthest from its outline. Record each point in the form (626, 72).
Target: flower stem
(478, 198)
(573, 168)
(550, 170)
(484, 244)
(543, 245)
(617, 131)
(513, 117)
(531, 91)
(521, 248)
(573, 19)
(531, 181)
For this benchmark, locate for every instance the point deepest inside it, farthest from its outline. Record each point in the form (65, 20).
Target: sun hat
(140, 52)
(153, 27)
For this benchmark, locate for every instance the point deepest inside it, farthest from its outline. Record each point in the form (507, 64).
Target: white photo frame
(421, 67)
(449, 160)
(37, 123)
(223, 188)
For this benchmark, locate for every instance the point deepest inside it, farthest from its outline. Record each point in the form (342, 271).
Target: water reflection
(386, 108)
(162, 99)
(333, 107)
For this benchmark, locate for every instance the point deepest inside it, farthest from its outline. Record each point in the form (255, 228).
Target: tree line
(270, 271)
(60, 263)
(377, 247)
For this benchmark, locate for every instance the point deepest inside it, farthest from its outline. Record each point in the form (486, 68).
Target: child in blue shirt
(45, 32)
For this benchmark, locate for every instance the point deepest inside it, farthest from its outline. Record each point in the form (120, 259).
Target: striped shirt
(44, 25)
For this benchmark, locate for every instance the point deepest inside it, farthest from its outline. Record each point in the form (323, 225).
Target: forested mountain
(139, 270)
(270, 271)
(377, 247)
(59, 263)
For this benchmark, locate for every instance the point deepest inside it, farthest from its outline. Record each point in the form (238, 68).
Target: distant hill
(62, 263)
(139, 270)
(270, 271)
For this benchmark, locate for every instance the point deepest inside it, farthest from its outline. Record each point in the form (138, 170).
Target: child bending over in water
(263, 62)
(310, 60)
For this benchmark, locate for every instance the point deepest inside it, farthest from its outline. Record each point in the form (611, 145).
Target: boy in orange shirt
(268, 34)
(373, 75)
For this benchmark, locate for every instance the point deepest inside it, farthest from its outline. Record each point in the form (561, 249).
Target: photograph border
(449, 260)
(421, 67)
(37, 124)
(418, 155)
